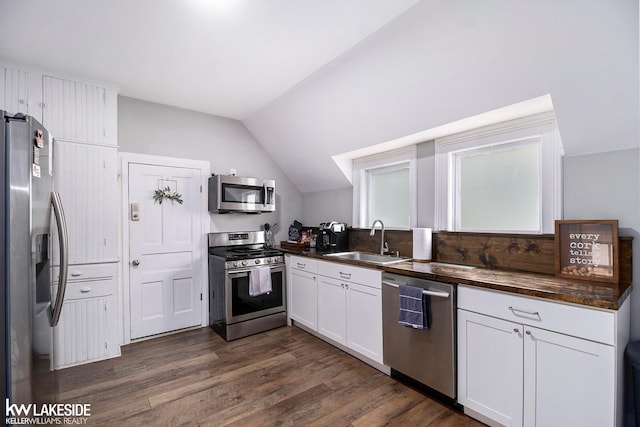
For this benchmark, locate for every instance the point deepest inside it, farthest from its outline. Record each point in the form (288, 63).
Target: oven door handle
(248, 270)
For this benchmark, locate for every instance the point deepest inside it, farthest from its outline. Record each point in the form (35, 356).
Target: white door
(332, 309)
(364, 320)
(576, 372)
(490, 368)
(165, 250)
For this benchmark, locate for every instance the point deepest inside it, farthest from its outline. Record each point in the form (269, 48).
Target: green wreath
(166, 193)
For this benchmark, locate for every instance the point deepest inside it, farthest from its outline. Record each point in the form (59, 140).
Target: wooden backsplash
(516, 252)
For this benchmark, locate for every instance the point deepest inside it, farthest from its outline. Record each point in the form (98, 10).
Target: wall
(149, 128)
(443, 61)
(324, 206)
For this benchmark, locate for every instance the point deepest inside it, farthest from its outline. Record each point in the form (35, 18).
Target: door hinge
(200, 296)
(201, 188)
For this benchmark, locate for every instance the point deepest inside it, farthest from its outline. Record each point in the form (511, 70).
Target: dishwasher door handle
(429, 292)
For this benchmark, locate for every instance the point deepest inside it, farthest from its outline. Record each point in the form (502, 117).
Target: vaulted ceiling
(223, 57)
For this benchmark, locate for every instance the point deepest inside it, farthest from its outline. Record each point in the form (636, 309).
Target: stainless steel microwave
(229, 193)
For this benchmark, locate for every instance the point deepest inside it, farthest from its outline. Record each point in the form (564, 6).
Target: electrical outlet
(232, 171)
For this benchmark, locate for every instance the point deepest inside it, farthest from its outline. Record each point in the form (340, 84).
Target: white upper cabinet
(78, 112)
(86, 178)
(14, 90)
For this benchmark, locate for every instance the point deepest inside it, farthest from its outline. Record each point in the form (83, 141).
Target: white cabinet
(350, 313)
(332, 309)
(86, 178)
(77, 111)
(14, 90)
(302, 291)
(340, 302)
(88, 326)
(523, 361)
(364, 320)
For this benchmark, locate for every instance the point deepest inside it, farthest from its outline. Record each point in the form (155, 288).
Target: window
(385, 189)
(502, 178)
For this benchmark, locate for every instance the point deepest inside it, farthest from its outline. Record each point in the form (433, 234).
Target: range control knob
(235, 263)
(257, 261)
(244, 263)
(269, 260)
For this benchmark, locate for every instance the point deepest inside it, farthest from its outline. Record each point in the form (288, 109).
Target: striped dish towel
(414, 307)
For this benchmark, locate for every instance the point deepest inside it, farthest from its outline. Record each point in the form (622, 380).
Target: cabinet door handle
(528, 332)
(135, 262)
(531, 313)
(516, 330)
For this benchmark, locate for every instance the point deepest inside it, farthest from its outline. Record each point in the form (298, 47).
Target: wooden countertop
(591, 294)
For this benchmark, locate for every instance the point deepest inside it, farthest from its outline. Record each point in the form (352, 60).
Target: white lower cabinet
(332, 309)
(364, 320)
(302, 291)
(514, 374)
(350, 307)
(88, 326)
(341, 302)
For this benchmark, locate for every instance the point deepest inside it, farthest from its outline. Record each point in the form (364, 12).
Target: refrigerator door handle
(64, 258)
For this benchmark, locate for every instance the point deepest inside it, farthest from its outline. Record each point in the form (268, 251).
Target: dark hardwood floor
(281, 377)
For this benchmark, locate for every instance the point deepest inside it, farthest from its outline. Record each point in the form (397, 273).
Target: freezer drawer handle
(429, 292)
(58, 212)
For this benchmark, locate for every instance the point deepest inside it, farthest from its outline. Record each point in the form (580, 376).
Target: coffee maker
(332, 237)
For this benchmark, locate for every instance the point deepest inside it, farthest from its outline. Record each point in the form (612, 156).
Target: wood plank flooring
(283, 377)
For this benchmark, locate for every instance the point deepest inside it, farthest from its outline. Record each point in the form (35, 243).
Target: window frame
(383, 162)
(540, 127)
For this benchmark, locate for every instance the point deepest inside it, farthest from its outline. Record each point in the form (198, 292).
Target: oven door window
(242, 303)
(244, 194)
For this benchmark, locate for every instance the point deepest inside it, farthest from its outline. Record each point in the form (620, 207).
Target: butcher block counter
(547, 286)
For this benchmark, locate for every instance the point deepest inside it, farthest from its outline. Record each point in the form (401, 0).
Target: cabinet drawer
(89, 289)
(365, 276)
(303, 264)
(87, 272)
(582, 322)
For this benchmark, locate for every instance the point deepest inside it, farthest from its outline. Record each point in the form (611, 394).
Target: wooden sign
(587, 250)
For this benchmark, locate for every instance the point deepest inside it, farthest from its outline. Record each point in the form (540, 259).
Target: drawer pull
(518, 310)
(300, 265)
(76, 273)
(85, 290)
(345, 275)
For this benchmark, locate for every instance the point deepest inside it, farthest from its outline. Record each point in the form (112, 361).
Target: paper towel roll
(422, 244)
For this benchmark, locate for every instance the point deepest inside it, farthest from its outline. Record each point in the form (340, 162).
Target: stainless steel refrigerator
(30, 211)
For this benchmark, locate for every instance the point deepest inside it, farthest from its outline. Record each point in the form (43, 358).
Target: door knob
(135, 262)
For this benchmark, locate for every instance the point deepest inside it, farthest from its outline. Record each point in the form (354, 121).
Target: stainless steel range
(235, 310)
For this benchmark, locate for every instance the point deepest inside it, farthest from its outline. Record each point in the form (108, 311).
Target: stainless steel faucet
(383, 245)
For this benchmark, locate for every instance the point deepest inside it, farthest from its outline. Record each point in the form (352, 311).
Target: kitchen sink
(369, 257)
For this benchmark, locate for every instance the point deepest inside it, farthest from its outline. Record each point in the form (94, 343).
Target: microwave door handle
(264, 189)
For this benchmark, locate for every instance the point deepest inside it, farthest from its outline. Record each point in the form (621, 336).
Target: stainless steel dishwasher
(428, 355)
